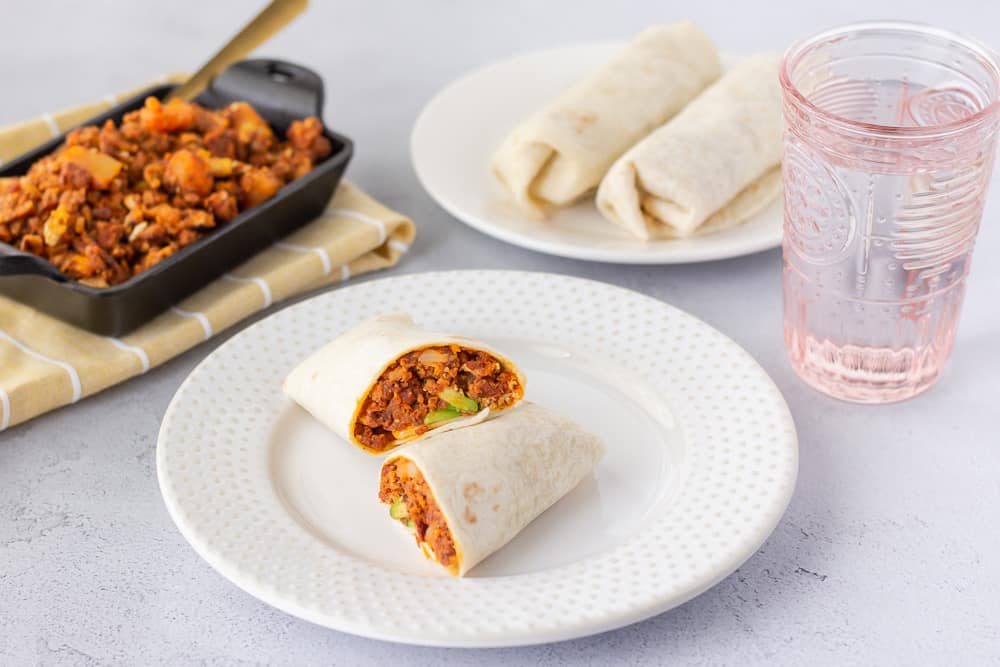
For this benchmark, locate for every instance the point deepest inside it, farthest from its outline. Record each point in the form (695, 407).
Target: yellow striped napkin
(45, 363)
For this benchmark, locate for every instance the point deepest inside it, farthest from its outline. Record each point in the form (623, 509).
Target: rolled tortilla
(562, 151)
(466, 493)
(365, 384)
(715, 164)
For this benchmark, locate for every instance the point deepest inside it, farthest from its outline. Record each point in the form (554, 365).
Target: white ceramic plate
(454, 139)
(701, 462)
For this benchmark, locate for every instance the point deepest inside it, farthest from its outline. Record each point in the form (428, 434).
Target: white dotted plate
(701, 462)
(458, 131)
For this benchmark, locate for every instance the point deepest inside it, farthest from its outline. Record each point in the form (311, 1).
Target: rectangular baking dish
(281, 92)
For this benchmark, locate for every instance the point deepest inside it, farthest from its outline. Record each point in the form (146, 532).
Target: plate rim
(272, 597)
(482, 224)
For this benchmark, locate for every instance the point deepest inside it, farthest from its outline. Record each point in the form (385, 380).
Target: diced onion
(138, 229)
(410, 432)
(431, 356)
(428, 552)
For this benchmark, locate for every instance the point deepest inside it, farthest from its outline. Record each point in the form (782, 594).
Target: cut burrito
(466, 493)
(387, 381)
(714, 164)
(562, 151)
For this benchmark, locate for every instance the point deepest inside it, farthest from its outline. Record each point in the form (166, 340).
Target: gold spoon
(265, 25)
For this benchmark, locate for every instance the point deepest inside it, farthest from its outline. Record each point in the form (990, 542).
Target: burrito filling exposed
(427, 388)
(411, 503)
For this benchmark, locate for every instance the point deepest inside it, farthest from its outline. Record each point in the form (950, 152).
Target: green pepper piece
(397, 510)
(441, 415)
(410, 524)
(459, 401)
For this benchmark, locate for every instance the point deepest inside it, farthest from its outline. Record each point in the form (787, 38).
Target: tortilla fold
(562, 151)
(716, 163)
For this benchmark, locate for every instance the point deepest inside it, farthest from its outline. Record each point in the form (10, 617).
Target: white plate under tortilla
(458, 131)
(701, 462)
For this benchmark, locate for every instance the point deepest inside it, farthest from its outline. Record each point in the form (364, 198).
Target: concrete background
(889, 552)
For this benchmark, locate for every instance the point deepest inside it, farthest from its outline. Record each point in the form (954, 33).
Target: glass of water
(890, 134)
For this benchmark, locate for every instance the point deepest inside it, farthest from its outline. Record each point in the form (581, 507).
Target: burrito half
(387, 381)
(563, 150)
(715, 164)
(466, 493)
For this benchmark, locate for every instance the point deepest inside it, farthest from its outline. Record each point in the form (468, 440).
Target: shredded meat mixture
(402, 480)
(115, 200)
(408, 390)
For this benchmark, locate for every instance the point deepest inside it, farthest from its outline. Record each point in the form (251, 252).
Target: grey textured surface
(889, 552)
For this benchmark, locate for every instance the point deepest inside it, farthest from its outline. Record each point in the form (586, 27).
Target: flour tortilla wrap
(562, 151)
(492, 480)
(714, 164)
(333, 383)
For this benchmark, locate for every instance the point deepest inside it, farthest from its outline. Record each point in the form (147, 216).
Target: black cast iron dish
(281, 92)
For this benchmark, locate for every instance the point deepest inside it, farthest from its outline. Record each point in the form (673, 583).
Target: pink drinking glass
(890, 134)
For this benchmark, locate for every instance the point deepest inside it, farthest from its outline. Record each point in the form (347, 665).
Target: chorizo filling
(117, 199)
(410, 501)
(429, 387)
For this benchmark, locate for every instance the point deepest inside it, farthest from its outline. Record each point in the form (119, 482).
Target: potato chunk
(102, 168)
(258, 185)
(173, 116)
(186, 173)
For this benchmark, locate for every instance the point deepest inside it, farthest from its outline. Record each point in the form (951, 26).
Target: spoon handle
(265, 25)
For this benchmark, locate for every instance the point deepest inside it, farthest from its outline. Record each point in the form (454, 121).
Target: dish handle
(281, 91)
(16, 263)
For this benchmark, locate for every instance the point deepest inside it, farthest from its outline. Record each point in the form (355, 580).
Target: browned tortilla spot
(471, 490)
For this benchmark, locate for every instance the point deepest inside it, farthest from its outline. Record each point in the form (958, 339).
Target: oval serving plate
(701, 462)
(457, 132)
